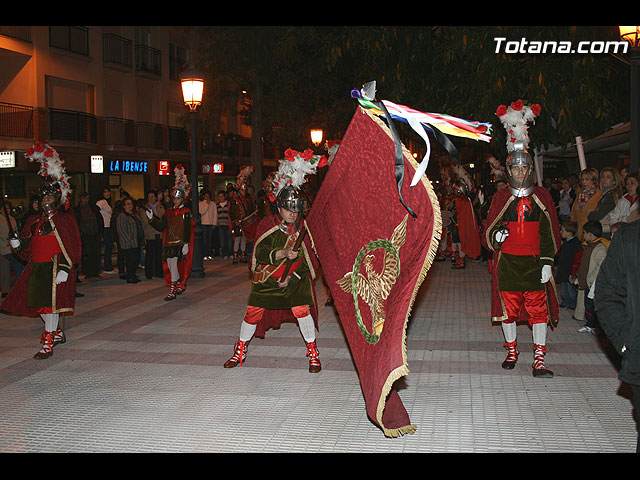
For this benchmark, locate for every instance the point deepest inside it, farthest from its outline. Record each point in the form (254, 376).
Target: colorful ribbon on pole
(439, 124)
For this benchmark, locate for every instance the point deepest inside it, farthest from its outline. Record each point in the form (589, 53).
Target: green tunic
(268, 294)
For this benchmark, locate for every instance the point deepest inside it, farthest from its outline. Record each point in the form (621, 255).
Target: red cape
(274, 318)
(468, 227)
(69, 240)
(497, 204)
(184, 265)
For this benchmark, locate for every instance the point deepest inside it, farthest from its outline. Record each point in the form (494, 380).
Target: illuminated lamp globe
(192, 87)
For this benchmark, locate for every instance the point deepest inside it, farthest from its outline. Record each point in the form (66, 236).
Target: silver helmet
(178, 193)
(47, 190)
(520, 158)
(289, 198)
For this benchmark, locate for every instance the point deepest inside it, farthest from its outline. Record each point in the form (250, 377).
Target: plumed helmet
(46, 190)
(56, 182)
(515, 119)
(520, 158)
(178, 193)
(181, 187)
(290, 199)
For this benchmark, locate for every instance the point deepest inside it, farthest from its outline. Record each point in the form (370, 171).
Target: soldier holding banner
(283, 267)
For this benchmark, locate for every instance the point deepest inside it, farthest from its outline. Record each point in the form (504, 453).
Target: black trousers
(90, 255)
(131, 261)
(636, 406)
(153, 258)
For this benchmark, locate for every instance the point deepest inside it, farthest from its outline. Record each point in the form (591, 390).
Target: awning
(618, 139)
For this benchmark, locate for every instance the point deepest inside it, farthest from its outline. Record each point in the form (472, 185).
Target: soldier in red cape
(178, 232)
(50, 241)
(465, 233)
(523, 232)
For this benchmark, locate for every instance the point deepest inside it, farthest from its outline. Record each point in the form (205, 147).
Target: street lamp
(632, 35)
(316, 136)
(192, 87)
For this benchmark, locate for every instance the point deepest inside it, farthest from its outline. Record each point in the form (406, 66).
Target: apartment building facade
(108, 99)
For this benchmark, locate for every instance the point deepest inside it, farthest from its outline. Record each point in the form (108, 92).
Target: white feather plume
(50, 167)
(515, 120)
(295, 167)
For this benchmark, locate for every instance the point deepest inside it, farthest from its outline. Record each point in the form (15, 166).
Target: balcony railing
(150, 135)
(117, 50)
(21, 32)
(16, 121)
(148, 60)
(19, 121)
(118, 131)
(69, 125)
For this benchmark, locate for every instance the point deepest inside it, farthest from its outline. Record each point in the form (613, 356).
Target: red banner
(374, 255)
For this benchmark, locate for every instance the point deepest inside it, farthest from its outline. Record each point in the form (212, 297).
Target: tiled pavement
(138, 374)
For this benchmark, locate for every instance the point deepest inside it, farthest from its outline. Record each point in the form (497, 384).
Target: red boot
(512, 355)
(239, 355)
(461, 262)
(58, 337)
(47, 346)
(314, 360)
(539, 370)
(172, 292)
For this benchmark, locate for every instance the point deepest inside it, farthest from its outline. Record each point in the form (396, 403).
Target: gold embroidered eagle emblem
(374, 287)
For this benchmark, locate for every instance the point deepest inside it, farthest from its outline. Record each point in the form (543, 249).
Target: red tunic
(64, 245)
(184, 265)
(524, 241)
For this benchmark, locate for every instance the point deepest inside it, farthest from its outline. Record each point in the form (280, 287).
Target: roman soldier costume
(265, 206)
(460, 227)
(50, 242)
(523, 233)
(178, 232)
(243, 216)
(282, 287)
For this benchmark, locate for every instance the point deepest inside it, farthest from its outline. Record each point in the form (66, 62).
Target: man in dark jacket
(618, 304)
(91, 226)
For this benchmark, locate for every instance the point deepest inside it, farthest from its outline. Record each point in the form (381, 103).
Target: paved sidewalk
(138, 374)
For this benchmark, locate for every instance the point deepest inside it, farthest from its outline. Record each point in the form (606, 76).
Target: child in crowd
(564, 262)
(595, 250)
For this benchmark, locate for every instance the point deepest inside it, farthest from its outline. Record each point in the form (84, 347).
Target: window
(72, 39)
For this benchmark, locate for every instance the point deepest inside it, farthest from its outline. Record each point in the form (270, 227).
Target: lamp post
(192, 88)
(316, 136)
(632, 35)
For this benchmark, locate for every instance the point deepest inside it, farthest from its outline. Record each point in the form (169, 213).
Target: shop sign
(7, 159)
(163, 167)
(128, 166)
(218, 168)
(97, 164)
